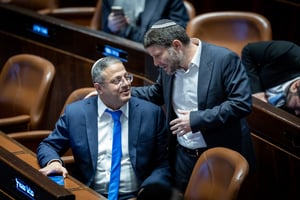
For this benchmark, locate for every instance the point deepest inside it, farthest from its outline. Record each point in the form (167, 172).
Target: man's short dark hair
(164, 32)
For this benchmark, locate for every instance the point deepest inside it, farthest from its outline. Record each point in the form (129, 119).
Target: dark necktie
(116, 156)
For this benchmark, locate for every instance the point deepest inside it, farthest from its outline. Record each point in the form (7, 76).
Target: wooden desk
(275, 135)
(80, 190)
(275, 125)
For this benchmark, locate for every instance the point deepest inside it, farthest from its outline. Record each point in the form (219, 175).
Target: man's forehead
(155, 49)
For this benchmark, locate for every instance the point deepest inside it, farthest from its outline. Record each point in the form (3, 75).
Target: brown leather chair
(231, 29)
(25, 81)
(190, 9)
(77, 15)
(218, 174)
(31, 139)
(96, 20)
(35, 4)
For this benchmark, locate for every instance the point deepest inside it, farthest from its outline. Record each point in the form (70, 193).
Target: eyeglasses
(120, 80)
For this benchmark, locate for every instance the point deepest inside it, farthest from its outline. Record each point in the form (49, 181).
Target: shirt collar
(102, 108)
(196, 58)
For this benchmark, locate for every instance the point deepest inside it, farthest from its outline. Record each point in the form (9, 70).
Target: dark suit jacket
(77, 128)
(271, 63)
(224, 100)
(154, 11)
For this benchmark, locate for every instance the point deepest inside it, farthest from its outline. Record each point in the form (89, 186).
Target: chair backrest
(35, 4)
(190, 9)
(231, 29)
(25, 81)
(31, 139)
(81, 15)
(79, 94)
(218, 174)
(96, 20)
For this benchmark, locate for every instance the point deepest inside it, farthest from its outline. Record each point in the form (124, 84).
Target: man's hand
(181, 125)
(54, 167)
(117, 22)
(261, 95)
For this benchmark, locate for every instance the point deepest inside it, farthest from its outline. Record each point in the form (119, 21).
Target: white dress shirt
(185, 97)
(128, 180)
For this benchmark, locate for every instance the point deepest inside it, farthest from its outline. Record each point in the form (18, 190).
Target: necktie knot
(115, 114)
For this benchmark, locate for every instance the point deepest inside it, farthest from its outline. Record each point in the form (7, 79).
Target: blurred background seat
(218, 174)
(190, 9)
(31, 139)
(77, 15)
(231, 29)
(25, 81)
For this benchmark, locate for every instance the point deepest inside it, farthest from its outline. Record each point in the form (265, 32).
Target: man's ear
(295, 86)
(99, 87)
(297, 83)
(176, 44)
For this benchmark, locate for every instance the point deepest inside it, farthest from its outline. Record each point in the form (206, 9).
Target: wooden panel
(276, 126)
(278, 174)
(74, 186)
(274, 133)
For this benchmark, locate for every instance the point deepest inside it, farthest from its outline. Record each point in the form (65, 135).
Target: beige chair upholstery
(25, 81)
(77, 15)
(231, 29)
(217, 175)
(31, 139)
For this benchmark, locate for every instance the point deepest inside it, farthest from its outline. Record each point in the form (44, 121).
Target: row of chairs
(231, 29)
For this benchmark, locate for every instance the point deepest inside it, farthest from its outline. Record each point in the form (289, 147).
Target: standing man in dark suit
(139, 15)
(274, 71)
(86, 128)
(206, 94)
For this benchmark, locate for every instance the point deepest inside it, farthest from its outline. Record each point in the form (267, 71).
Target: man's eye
(116, 81)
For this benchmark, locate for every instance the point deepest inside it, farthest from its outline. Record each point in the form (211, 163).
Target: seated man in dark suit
(87, 128)
(274, 71)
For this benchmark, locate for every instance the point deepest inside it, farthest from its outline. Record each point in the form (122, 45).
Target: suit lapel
(91, 118)
(204, 76)
(134, 122)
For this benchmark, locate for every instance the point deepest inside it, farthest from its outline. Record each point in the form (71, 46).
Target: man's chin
(126, 96)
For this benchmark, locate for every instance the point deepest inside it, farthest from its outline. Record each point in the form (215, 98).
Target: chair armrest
(36, 135)
(68, 11)
(30, 139)
(67, 159)
(8, 121)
